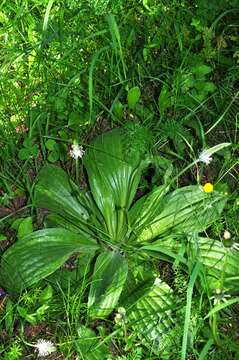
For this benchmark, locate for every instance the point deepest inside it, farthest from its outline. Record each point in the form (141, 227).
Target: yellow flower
(208, 187)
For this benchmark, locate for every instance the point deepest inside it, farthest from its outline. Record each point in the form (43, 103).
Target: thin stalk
(77, 171)
(192, 280)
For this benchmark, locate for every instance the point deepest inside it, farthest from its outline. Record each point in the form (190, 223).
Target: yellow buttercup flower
(208, 187)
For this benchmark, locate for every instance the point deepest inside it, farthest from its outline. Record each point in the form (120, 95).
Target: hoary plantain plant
(119, 233)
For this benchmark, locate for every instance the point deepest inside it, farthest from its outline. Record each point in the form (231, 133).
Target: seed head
(76, 151)
(205, 157)
(227, 235)
(44, 347)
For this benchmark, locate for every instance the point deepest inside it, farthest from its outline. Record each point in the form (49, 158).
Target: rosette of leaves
(118, 233)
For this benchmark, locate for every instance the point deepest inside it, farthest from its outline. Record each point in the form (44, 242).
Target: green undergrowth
(164, 74)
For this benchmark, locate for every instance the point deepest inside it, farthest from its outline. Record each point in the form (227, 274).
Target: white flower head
(44, 347)
(226, 235)
(205, 157)
(76, 151)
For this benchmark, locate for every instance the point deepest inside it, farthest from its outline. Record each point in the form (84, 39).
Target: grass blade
(222, 306)
(205, 349)
(47, 14)
(192, 280)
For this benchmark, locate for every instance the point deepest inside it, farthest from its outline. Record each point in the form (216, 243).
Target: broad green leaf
(151, 319)
(38, 255)
(134, 290)
(221, 263)
(133, 97)
(88, 345)
(41, 311)
(167, 248)
(147, 207)
(16, 223)
(201, 70)
(164, 100)
(46, 294)
(109, 276)
(186, 210)
(78, 274)
(24, 153)
(28, 143)
(31, 318)
(118, 109)
(205, 87)
(113, 180)
(25, 227)
(54, 220)
(57, 193)
(50, 144)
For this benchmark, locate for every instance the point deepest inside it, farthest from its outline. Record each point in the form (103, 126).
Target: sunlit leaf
(187, 209)
(25, 227)
(151, 317)
(113, 180)
(133, 96)
(56, 192)
(38, 255)
(221, 263)
(108, 279)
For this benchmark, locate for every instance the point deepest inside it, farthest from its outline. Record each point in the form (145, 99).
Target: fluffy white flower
(44, 347)
(227, 235)
(205, 157)
(76, 151)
